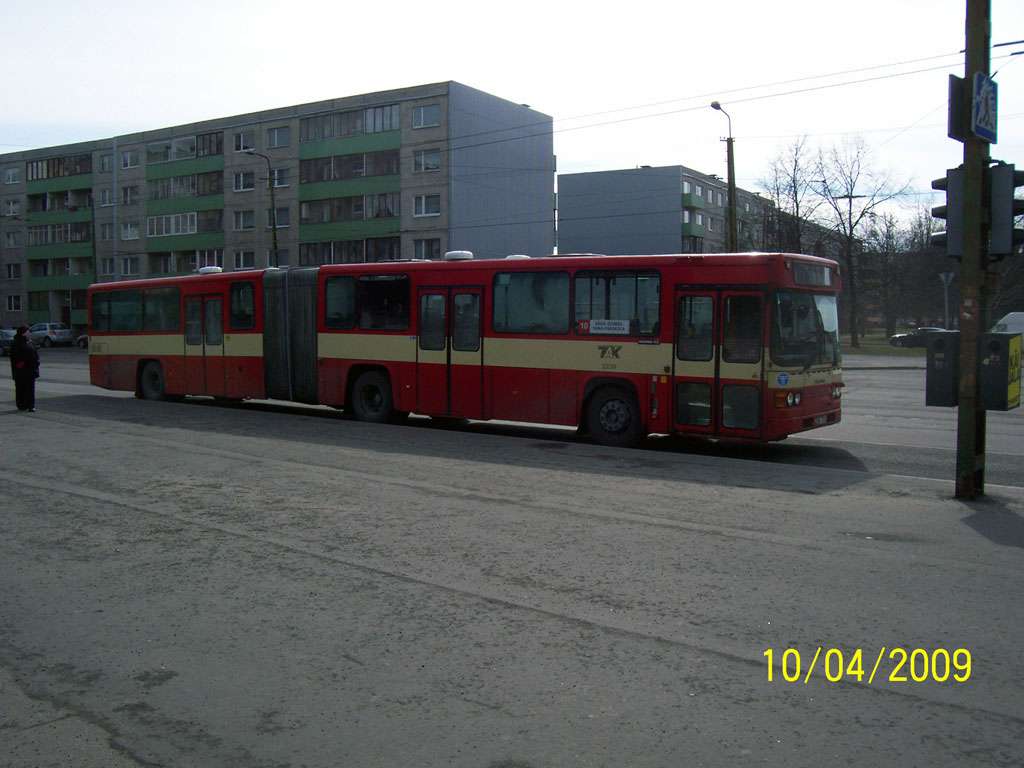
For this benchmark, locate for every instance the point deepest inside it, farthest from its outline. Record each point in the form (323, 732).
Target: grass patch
(878, 344)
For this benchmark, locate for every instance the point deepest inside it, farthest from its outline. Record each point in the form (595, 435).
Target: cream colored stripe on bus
(162, 345)
(366, 346)
(624, 356)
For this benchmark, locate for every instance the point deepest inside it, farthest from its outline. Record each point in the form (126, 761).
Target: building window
(130, 265)
(130, 230)
(129, 195)
(130, 158)
(14, 303)
(106, 197)
(209, 144)
(245, 140)
(700, 219)
(279, 137)
(699, 190)
(12, 175)
(711, 224)
(425, 160)
(245, 259)
(12, 239)
(171, 149)
(283, 218)
(686, 217)
(244, 220)
(106, 163)
(12, 207)
(279, 176)
(210, 258)
(380, 119)
(427, 249)
(426, 205)
(719, 198)
(106, 231)
(426, 117)
(245, 181)
(171, 224)
(686, 187)
(107, 266)
(14, 271)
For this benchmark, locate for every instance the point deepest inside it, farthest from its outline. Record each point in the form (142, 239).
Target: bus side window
(243, 306)
(99, 318)
(340, 302)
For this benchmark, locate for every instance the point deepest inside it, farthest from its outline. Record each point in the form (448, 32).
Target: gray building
(671, 209)
(400, 174)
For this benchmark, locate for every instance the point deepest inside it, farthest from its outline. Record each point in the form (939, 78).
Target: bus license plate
(819, 421)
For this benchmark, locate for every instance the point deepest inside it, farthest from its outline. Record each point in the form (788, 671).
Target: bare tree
(788, 184)
(851, 191)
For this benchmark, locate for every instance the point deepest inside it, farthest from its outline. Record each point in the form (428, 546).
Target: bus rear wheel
(151, 382)
(613, 417)
(371, 398)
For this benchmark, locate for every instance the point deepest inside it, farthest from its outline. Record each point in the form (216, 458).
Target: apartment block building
(647, 210)
(400, 174)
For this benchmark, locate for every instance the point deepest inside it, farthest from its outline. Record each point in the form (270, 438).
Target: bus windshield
(805, 330)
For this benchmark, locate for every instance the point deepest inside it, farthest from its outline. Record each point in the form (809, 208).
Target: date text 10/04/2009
(917, 665)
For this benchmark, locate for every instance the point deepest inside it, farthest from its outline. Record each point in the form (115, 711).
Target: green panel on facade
(185, 242)
(185, 167)
(60, 283)
(66, 216)
(185, 205)
(691, 200)
(79, 317)
(62, 251)
(349, 230)
(350, 145)
(59, 184)
(693, 230)
(373, 185)
(39, 316)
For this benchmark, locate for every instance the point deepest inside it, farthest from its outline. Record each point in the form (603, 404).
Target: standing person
(24, 369)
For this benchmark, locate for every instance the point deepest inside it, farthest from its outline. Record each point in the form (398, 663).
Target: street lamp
(273, 206)
(733, 243)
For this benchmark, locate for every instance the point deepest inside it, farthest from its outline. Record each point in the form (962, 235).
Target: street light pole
(273, 206)
(733, 244)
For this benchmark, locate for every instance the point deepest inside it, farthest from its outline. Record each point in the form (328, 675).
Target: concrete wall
(501, 159)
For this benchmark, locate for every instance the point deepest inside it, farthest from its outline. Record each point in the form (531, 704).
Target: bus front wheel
(151, 383)
(371, 398)
(613, 417)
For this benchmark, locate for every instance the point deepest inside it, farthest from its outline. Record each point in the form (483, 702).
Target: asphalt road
(195, 585)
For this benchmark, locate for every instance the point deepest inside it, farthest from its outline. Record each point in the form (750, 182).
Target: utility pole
(970, 451)
(733, 244)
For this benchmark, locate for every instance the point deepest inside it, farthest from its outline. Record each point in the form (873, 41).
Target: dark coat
(24, 359)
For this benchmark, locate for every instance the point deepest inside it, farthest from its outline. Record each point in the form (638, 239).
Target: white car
(48, 334)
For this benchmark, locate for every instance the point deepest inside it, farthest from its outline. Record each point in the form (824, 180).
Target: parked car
(83, 341)
(916, 338)
(48, 334)
(6, 337)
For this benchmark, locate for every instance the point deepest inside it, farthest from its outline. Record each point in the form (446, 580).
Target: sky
(626, 85)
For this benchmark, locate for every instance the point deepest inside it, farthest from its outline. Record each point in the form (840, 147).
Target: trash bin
(943, 369)
(999, 382)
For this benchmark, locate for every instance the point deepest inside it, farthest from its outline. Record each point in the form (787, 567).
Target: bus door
(204, 345)
(449, 353)
(718, 367)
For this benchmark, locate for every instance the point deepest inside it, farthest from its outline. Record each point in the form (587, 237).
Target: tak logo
(608, 351)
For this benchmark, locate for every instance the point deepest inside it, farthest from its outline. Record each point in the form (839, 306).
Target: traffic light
(953, 212)
(1005, 209)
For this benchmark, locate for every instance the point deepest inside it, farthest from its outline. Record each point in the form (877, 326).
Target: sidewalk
(860, 361)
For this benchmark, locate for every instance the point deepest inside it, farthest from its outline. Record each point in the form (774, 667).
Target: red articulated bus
(725, 346)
